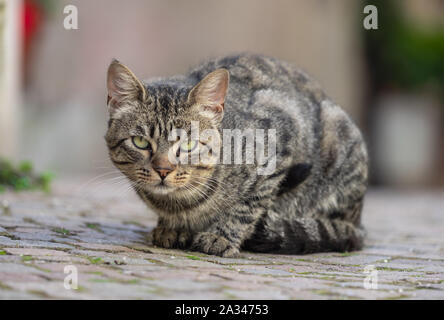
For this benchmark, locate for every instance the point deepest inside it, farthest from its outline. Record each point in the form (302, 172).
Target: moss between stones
(396, 269)
(62, 231)
(94, 226)
(40, 293)
(95, 260)
(110, 280)
(27, 258)
(4, 286)
(193, 257)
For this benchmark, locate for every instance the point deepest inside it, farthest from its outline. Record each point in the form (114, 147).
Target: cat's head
(144, 121)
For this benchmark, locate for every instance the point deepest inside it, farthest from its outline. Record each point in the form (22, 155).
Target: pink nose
(163, 172)
(162, 166)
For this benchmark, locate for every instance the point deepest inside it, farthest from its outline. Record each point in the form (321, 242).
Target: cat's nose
(163, 172)
(162, 166)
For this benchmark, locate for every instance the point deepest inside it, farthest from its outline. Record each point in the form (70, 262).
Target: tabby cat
(311, 202)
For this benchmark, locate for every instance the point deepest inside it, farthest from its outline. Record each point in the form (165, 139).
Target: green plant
(403, 54)
(22, 177)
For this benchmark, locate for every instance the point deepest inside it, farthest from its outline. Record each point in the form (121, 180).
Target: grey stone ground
(102, 233)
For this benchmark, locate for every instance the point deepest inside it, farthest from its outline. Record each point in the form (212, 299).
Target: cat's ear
(122, 85)
(209, 94)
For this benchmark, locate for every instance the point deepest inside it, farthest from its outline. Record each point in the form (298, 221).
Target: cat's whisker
(203, 193)
(82, 188)
(214, 180)
(190, 195)
(214, 188)
(110, 182)
(127, 188)
(214, 204)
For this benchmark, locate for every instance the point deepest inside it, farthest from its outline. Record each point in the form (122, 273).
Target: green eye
(141, 143)
(188, 146)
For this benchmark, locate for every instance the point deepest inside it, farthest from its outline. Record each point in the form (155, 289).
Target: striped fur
(311, 203)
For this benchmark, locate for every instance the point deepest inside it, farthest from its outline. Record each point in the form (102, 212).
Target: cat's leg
(305, 235)
(222, 239)
(281, 232)
(225, 236)
(165, 237)
(214, 243)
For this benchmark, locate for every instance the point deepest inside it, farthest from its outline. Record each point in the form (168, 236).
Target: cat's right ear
(209, 94)
(122, 85)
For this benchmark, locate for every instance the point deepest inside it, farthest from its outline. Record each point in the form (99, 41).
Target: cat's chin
(161, 189)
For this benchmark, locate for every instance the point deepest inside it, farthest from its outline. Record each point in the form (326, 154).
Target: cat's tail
(305, 235)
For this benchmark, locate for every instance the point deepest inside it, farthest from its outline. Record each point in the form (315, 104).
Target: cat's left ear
(209, 94)
(122, 85)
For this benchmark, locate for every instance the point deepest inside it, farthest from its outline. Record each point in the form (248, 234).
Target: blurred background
(390, 80)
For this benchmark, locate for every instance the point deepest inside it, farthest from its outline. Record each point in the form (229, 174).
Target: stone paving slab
(103, 234)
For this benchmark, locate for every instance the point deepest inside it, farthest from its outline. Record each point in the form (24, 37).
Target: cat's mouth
(162, 187)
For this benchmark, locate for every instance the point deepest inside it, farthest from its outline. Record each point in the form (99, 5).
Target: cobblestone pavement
(103, 234)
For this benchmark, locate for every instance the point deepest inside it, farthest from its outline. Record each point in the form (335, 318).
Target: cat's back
(250, 73)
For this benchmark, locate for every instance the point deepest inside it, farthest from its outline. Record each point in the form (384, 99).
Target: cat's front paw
(211, 243)
(169, 238)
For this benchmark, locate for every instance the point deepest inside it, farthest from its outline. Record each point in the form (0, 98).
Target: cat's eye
(188, 146)
(141, 143)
